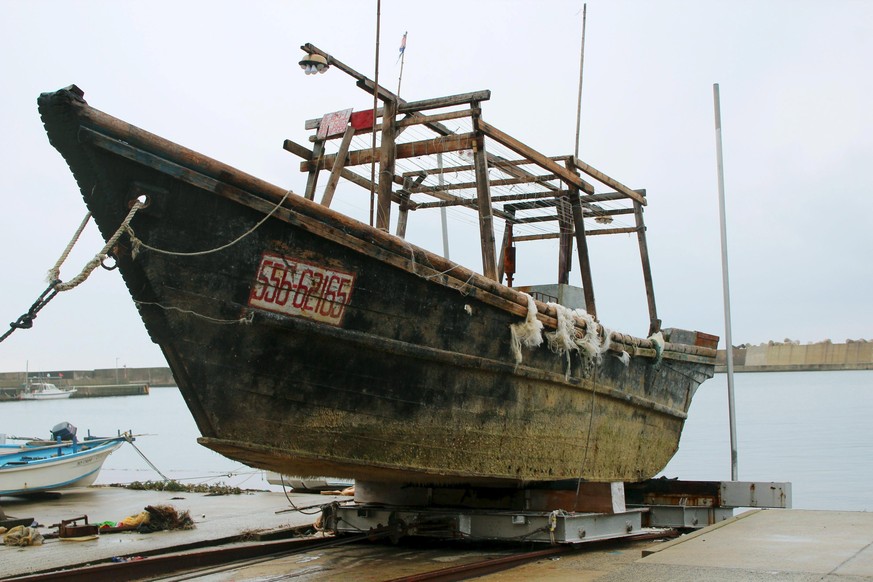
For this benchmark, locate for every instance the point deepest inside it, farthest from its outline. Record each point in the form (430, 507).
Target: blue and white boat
(39, 466)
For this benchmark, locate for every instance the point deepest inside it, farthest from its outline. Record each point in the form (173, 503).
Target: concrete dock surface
(215, 518)
(783, 545)
(788, 545)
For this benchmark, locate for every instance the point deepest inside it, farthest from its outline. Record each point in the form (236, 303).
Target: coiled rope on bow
(56, 285)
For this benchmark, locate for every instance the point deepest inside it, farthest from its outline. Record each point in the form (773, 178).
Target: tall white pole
(443, 217)
(729, 351)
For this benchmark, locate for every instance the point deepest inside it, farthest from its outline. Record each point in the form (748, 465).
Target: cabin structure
(414, 162)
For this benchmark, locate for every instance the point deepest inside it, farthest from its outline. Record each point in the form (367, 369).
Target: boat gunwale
(238, 186)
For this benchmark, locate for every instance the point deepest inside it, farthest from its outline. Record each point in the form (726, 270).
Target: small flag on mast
(402, 46)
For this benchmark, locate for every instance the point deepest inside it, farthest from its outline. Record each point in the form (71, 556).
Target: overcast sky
(222, 78)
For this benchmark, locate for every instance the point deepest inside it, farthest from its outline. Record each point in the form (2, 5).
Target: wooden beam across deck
(411, 119)
(493, 183)
(307, 154)
(494, 161)
(604, 179)
(536, 198)
(450, 143)
(543, 161)
(551, 235)
(421, 119)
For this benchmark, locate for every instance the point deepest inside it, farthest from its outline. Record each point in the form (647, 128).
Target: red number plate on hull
(301, 289)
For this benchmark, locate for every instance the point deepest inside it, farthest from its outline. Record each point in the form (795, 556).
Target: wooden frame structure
(551, 189)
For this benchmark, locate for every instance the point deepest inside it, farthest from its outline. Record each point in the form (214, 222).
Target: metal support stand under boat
(636, 508)
(726, 286)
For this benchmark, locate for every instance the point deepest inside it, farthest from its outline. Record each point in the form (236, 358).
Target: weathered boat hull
(316, 345)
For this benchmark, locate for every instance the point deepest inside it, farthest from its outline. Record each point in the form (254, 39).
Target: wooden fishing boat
(39, 466)
(309, 343)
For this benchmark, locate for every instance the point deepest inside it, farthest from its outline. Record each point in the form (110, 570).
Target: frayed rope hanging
(529, 333)
(564, 340)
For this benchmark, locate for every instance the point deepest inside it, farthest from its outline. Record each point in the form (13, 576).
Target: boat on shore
(308, 484)
(306, 342)
(44, 391)
(38, 466)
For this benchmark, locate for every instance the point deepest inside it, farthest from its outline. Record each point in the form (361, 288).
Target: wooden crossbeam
(604, 179)
(493, 183)
(307, 154)
(450, 143)
(420, 119)
(493, 161)
(538, 158)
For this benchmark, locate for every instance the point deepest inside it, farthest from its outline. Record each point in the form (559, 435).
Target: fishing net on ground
(159, 518)
(23, 536)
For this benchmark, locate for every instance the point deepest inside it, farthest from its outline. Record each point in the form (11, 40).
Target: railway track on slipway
(316, 558)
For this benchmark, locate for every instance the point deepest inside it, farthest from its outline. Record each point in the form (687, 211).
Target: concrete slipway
(784, 545)
(215, 517)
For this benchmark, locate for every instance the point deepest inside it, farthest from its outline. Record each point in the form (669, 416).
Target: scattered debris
(348, 491)
(166, 517)
(173, 485)
(23, 536)
(70, 529)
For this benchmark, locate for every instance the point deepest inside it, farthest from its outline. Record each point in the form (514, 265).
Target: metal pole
(443, 217)
(375, 107)
(581, 65)
(402, 60)
(729, 351)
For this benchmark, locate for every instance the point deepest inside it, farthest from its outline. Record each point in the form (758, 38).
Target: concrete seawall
(789, 357)
(153, 377)
(90, 383)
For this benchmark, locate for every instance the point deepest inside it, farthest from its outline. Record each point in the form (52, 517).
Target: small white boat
(308, 483)
(39, 466)
(45, 391)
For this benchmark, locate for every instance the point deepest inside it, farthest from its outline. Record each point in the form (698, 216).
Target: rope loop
(138, 244)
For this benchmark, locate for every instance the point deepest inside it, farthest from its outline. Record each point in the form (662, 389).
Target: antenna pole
(581, 65)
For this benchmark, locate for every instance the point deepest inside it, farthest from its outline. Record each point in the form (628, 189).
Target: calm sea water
(813, 429)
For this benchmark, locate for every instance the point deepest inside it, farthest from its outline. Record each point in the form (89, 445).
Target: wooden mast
(483, 194)
(387, 157)
(582, 247)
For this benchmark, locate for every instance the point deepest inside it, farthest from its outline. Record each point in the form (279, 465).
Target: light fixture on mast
(314, 63)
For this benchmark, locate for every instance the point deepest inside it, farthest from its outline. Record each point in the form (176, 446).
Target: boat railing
(88, 443)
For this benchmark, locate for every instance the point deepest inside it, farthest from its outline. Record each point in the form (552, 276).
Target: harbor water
(810, 428)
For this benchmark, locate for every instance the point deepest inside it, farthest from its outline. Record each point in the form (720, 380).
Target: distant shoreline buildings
(789, 355)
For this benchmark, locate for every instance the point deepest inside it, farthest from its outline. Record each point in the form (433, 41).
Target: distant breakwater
(791, 356)
(154, 377)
